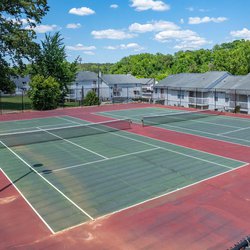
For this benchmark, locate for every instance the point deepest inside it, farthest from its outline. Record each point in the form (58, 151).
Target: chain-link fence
(20, 101)
(234, 100)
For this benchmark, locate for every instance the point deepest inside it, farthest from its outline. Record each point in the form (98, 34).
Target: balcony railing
(198, 101)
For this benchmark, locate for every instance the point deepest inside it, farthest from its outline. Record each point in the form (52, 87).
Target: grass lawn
(12, 103)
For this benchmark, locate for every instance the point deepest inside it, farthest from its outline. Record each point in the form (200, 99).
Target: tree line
(233, 57)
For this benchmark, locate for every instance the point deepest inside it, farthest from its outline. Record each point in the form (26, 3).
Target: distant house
(121, 87)
(147, 88)
(234, 91)
(84, 82)
(189, 89)
(22, 84)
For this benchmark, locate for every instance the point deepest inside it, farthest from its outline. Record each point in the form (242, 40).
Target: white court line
(27, 164)
(111, 158)
(36, 212)
(62, 118)
(19, 129)
(203, 132)
(215, 139)
(171, 143)
(75, 144)
(240, 129)
(168, 193)
(154, 198)
(173, 151)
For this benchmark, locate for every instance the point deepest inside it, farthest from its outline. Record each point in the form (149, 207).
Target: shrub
(44, 92)
(91, 99)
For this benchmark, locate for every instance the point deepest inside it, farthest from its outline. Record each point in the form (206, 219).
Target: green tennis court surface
(225, 128)
(73, 177)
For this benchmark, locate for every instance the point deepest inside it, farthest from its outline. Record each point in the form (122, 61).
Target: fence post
(196, 94)
(22, 100)
(167, 96)
(1, 104)
(215, 102)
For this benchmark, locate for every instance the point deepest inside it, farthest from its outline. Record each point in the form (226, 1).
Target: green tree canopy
(44, 92)
(91, 99)
(16, 42)
(51, 61)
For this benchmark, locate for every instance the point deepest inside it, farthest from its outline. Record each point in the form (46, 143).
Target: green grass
(15, 103)
(12, 103)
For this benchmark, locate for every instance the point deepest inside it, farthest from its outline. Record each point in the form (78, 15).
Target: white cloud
(132, 46)
(182, 21)
(90, 53)
(153, 26)
(190, 8)
(81, 47)
(187, 39)
(73, 25)
(44, 28)
(142, 5)
(114, 6)
(111, 34)
(83, 11)
(206, 19)
(243, 34)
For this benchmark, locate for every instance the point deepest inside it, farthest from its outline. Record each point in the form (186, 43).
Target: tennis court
(219, 127)
(72, 172)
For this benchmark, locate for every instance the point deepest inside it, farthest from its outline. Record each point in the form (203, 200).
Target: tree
(44, 92)
(91, 99)
(17, 21)
(51, 61)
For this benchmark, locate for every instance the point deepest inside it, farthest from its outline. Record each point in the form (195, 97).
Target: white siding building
(210, 90)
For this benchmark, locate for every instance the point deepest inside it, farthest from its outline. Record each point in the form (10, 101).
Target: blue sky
(107, 30)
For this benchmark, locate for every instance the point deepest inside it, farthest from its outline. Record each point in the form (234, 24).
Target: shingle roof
(193, 80)
(86, 76)
(120, 79)
(19, 80)
(147, 81)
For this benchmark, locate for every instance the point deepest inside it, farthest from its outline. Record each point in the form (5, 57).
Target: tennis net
(177, 117)
(40, 135)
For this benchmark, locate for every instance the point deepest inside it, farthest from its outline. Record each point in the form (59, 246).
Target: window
(155, 91)
(136, 92)
(180, 94)
(162, 91)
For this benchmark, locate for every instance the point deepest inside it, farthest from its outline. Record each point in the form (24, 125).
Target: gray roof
(86, 76)
(19, 80)
(193, 80)
(147, 81)
(120, 79)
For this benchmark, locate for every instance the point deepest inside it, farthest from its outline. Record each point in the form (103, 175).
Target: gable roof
(19, 80)
(193, 80)
(147, 81)
(124, 79)
(86, 76)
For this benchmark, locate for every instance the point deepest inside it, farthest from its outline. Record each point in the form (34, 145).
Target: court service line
(215, 139)
(173, 151)
(240, 129)
(64, 119)
(194, 130)
(111, 158)
(34, 210)
(75, 144)
(171, 192)
(59, 191)
(203, 132)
